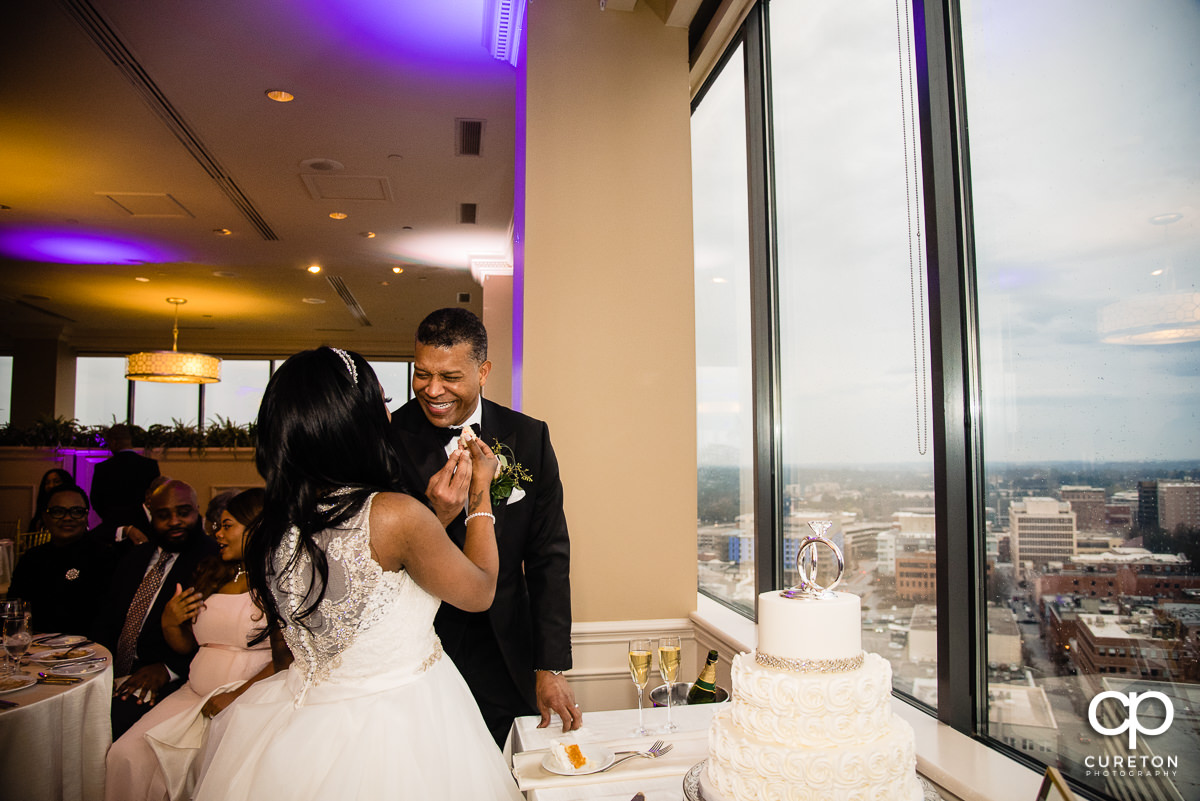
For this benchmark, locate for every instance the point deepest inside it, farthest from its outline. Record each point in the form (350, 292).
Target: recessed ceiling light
(338, 215)
(224, 274)
(222, 231)
(280, 96)
(367, 234)
(385, 283)
(1166, 219)
(314, 268)
(397, 270)
(720, 280)
(143, 279)
(313, 301)
(1159, 271)
(406, 228)
(395, 156)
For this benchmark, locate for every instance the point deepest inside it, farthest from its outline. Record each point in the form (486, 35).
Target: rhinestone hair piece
(350, 368)
(843, 665)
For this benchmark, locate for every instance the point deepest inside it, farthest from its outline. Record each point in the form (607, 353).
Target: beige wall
(608, 225)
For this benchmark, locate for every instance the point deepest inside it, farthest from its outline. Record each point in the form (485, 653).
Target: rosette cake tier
(810, 716)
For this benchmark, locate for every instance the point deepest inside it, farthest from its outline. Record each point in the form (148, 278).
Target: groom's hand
(554, 694)
(447, 488)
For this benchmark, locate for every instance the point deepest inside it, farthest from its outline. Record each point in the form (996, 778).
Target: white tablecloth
(52, 746)
(660, 779)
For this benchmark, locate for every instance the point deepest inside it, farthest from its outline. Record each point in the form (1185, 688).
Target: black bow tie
(449, 433)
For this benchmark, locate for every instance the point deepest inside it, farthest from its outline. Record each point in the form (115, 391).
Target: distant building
(1168, 504)
(1088, 505)
(1003, 639)
(1043, 530)
(1119, 511)
(916, 576)
(1021, 716)
(1128, 645)
(1119, 573)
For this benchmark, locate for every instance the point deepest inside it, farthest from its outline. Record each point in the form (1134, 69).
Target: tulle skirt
(384, 737)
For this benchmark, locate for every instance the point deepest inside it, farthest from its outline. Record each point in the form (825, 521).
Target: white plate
(10, 684)
(59, 656)
(79, 669)
(598, 759)
(62, 640)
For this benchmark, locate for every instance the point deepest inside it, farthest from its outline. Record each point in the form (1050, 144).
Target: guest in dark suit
(120, 482)
(129, 624)
(63, 578)
(513, 655)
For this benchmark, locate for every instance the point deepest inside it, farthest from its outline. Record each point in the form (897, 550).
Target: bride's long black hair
(322, 447)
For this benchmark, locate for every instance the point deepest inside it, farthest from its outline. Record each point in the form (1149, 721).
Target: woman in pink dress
(152, 760)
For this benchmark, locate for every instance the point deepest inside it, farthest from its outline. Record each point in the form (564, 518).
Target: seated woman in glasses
(63, 578)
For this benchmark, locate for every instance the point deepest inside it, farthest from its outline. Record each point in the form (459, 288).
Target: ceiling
(141, 159)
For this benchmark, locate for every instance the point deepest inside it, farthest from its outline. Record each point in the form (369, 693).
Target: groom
(513, 655)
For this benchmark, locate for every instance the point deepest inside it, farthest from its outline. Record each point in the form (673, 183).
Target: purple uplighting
(70, 247)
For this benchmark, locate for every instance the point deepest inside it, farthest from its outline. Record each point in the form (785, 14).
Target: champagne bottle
(704, 688)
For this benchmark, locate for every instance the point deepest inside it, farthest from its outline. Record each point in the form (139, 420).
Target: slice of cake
(568, 756)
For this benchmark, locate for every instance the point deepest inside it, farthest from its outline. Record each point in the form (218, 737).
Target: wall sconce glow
(71, 247)
(314, 268)
(280, 96)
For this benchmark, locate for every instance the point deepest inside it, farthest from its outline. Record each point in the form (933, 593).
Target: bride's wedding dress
(370, 709)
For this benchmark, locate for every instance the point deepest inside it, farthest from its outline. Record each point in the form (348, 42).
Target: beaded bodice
(369, 622)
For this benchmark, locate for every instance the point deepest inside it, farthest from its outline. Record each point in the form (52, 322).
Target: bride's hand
(485, 465)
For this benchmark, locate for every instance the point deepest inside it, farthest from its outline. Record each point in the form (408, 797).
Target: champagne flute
(668, 668)
(17, 637)
(639, 670)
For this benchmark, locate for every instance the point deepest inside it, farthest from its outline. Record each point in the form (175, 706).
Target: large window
(1085, 175)
(852, 324)
(102, 393)
(984, 343)
(725, 435)
(6, 363)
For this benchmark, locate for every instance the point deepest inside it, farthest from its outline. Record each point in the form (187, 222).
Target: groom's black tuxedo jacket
(531, 614)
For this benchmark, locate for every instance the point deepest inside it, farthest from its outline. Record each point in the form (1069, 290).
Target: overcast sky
(1084, 126)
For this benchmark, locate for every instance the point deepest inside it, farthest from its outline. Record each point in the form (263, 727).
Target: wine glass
(668, 668)
(17, 637)
(639, 669)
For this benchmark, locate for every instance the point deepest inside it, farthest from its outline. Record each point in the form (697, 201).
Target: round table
(53, 744)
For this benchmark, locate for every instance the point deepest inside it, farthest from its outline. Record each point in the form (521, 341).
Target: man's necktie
(127, 643)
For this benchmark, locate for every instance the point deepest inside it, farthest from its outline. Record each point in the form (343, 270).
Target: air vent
(469, 141)
(466, 213)
(348, 298)
(464, 297)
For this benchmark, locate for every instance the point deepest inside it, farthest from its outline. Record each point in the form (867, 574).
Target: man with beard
(129, 625)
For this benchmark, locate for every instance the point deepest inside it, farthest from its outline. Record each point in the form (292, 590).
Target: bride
(353, 574)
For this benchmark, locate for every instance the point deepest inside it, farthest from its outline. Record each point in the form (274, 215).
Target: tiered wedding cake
(811, 715)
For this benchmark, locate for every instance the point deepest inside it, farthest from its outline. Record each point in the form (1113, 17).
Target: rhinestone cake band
(843, 665)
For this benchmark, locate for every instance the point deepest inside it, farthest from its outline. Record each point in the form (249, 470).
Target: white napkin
(690, 748)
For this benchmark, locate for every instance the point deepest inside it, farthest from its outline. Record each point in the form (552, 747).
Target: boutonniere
(509, 474)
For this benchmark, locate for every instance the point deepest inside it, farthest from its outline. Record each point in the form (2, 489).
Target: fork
(653, 752)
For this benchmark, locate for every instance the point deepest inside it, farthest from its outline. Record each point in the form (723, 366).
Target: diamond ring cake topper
(808, 588)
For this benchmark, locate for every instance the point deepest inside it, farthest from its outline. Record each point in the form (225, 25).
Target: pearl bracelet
(480, 514)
